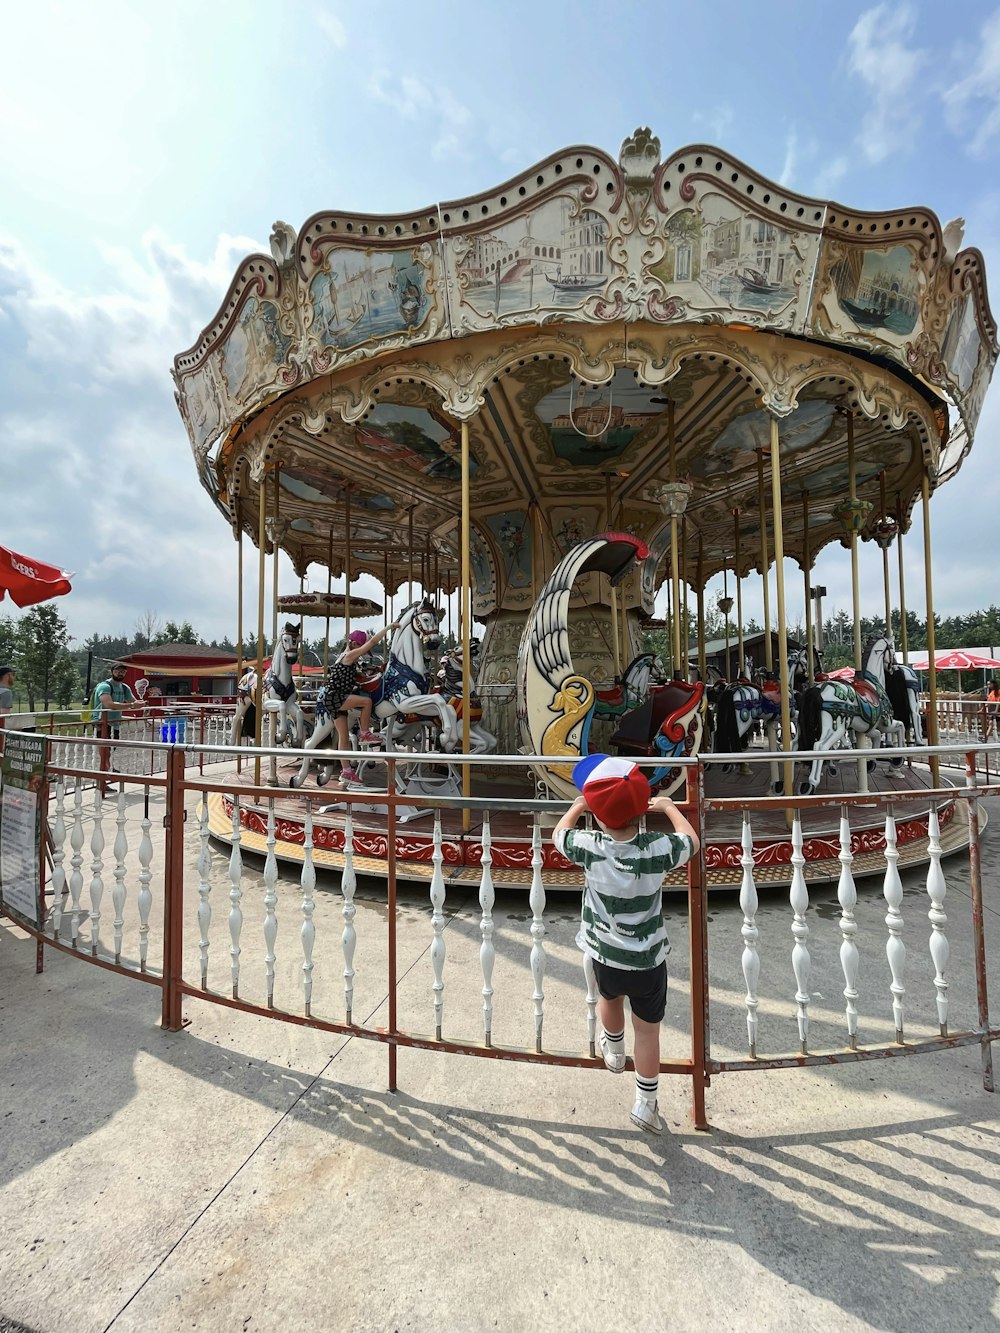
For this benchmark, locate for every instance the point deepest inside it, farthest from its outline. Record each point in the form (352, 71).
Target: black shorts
(646, 991)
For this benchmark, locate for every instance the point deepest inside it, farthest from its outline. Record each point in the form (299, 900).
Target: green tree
(67, 685)
(174, 633)
(42, 640)
(8, 640)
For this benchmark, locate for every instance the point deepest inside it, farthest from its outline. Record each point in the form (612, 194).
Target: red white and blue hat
(616, 790)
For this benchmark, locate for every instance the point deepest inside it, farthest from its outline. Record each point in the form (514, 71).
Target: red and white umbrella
(844, 673)
(30, 581)
(956, 659)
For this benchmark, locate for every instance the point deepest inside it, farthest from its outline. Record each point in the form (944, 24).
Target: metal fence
(131, 884)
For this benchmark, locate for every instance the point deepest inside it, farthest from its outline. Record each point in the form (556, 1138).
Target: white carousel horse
(246, 692)
(450, 685)
(833, 712)
(402, 692)
(629, 692)
(280, 696)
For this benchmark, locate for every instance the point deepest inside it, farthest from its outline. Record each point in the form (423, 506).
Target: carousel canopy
(618, 335)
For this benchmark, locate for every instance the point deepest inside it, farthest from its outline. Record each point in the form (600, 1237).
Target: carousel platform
(511, 832)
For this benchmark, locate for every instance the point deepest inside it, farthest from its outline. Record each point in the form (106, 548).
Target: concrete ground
(247, 1174)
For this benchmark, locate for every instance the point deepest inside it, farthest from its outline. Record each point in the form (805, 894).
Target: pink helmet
(357, 637)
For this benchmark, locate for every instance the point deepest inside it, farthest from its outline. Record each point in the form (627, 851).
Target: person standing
(621, 917)
(6, 690)
(993, 710)
(110, 696)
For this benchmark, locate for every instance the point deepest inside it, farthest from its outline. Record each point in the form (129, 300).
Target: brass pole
(855, 578)
(276, 553)
(466, 625)
(329, 590)
(741, 665)
(685, 665)
(409, 539)
(347, 563)
(616, 647)
(239, 599)
(904, 642)
(885, 561)
(932, 717)
(261, 573)
(534, 551)
(764, 563)
(675, 573)
(779, 572)
(702, 667)
(807, 588)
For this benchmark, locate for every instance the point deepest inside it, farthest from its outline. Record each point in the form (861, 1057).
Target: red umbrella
(30, 581)
(844, 673)
(957, 660)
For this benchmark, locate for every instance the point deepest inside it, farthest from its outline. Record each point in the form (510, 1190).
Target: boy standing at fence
(621, 926)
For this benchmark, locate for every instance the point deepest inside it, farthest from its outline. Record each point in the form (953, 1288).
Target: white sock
(647, 1088)
(616, 1039)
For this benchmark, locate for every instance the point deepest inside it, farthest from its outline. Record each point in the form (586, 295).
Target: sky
(146, 149)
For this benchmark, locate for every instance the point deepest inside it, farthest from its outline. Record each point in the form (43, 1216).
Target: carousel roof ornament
(550, 313)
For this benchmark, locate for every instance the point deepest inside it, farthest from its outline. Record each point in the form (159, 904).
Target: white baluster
(487, 952)
(76, 874)
(536, 901)
(144, 900)
(96, 869)
(936, 890)
(750, 933)
(308, 932)
(591, 980)
(895, 949)
(118, 892)
(798, 897)
(270, 903)
(349, 939)
(58, 857)
(204, 887)
(847, 896)
(235, 896)
(437, 923)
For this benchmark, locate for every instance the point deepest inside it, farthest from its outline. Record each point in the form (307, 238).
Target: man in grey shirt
(6, 689)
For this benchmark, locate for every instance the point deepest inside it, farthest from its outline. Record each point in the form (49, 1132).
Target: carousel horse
(246, 691)
(631, 689)
(280, 697)
(737, 709)
(834, 711)
(903, 689)
(450, 686)
(400, 696)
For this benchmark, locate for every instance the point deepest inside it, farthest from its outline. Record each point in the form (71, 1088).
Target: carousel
(602, 381)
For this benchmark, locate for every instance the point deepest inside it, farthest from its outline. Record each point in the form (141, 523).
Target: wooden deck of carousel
(511, 829)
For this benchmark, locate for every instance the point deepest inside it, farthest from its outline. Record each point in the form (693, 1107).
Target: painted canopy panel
(580, 238)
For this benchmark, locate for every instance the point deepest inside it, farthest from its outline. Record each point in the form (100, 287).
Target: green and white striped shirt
(621, 922)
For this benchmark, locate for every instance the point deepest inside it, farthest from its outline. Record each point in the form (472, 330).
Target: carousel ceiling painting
(605, 327)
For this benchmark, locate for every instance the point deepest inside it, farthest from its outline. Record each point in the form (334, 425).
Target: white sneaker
(646, 1117)
(615, 1060)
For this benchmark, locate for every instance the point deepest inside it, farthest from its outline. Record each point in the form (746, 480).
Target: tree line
(51, 670)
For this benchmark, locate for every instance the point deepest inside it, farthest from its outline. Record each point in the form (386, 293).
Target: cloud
(880, 55)
(973, 103)
(717, 120)
(449, 123)
(94, 449)
(787, 173)
(333, 26)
